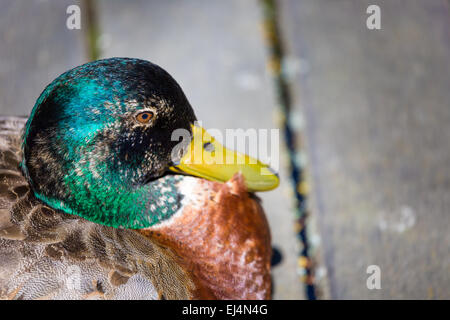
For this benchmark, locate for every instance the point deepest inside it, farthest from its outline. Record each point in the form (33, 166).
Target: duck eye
(144, 117)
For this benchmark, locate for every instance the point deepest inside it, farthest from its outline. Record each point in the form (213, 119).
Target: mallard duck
(97, 202)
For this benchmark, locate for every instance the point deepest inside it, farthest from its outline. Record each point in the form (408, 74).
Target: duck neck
(132, 208)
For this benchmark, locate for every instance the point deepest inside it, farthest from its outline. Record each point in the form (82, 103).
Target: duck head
(98, 144)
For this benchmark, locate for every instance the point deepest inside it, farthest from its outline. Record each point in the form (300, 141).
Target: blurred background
(364, 117)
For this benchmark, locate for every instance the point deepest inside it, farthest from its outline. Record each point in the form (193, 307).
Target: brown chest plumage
(222, 240)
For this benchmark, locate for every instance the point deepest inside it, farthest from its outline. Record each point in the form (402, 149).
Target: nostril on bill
(208, 146)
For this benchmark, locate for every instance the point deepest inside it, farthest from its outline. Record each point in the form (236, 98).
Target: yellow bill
(207, 158)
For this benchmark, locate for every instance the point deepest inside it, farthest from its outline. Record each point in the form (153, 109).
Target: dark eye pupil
(144, 116)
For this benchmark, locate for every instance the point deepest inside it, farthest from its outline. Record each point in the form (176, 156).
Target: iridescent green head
(98, 137)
